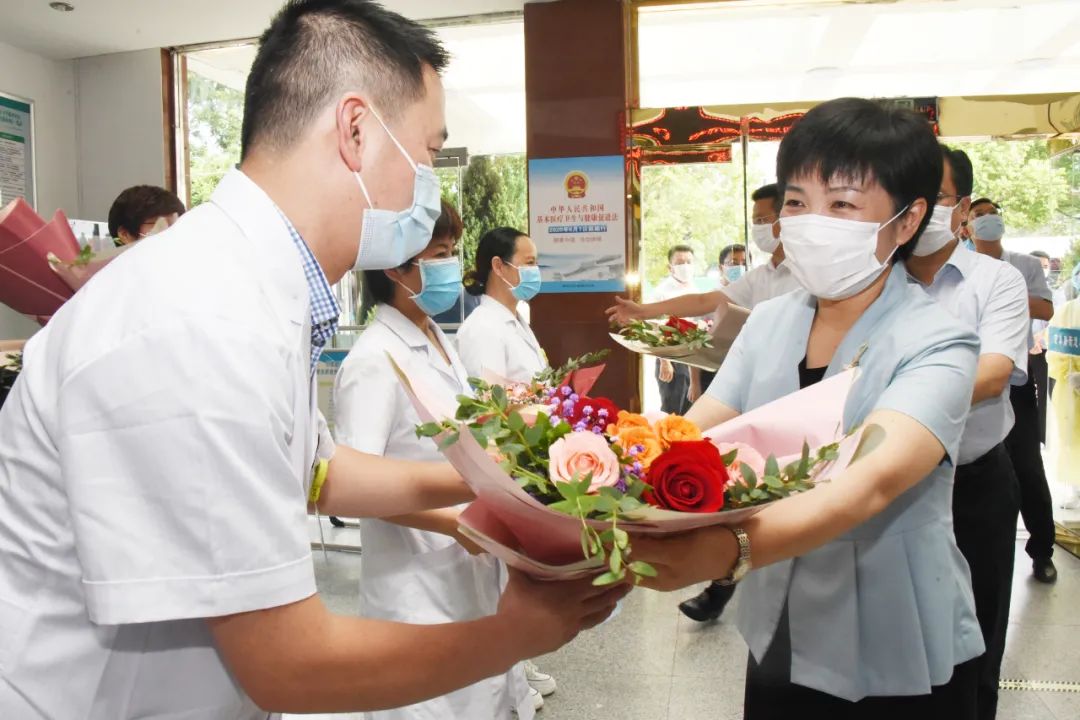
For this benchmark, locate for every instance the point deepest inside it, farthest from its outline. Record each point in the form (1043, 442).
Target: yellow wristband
(319, 480)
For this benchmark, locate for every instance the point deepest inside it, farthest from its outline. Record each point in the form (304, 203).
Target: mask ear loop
(412, 163)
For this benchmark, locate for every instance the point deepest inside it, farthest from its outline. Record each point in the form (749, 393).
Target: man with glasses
(988, 228)
(991, 297)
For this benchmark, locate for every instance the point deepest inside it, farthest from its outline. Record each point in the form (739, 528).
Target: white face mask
(833, 258)
(763, 237)
(684, 273)
(938, 232)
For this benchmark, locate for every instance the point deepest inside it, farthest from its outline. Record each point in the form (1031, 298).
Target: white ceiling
(106, 26)
(774, 51)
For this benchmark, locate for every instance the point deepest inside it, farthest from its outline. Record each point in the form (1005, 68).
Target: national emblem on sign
(577, 184)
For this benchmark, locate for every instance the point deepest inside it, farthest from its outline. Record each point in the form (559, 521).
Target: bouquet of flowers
(561, 475)
(703, 344)
(673, 332)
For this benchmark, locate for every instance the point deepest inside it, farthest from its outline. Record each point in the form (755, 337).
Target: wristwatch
(742, 565)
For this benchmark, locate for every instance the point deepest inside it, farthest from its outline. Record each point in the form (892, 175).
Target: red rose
(594, 417)
(688, 477)
(682, 326)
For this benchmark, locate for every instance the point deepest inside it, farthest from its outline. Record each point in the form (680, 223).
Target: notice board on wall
(17, 149)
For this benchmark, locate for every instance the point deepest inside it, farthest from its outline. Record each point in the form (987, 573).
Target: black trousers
(986, 500)
(673, 394)
(1041, 374)
(770, 694)
(1024, 448)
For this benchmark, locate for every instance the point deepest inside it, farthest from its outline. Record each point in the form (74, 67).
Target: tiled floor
(651, 663)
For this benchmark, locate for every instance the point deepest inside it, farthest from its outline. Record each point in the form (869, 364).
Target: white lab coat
(410, 575)
(495, 339)
(153, 471)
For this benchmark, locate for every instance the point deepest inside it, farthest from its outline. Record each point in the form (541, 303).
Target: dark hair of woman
(378, 288)
(865, 141)
(498, 243)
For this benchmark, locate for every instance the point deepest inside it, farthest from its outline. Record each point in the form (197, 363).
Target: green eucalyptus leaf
(609, 578)
(772, 467)
(448, 440)
(773, 482)
(622, 538)
(615, 562)
(515, 422)
(749, 476)
(730, 457)
(568, 490)
(642, 568)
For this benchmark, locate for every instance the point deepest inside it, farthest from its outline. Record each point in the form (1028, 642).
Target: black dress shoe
(1044, 571)
(709, 604)
(336, 521)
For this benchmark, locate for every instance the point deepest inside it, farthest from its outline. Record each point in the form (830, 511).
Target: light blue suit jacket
(886, 609)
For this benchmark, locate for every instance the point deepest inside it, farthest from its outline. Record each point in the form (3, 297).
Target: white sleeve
(365, 403)
(1003, 327)
(480, 353)
(185, 500)
(741, 292)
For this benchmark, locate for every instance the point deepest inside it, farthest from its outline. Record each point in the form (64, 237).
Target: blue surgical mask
(734, 272)
(990, 227)
(440, 285)
(387, 238)
(529, 285)
(969, 244)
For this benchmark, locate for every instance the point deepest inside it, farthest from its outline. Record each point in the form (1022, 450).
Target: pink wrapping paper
(18, 221)
(515, 527)
(29, 284)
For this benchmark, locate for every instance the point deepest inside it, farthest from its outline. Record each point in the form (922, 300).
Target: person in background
(990, 297)
(142, 210)
(766, 281)
(1063, 358)
(1044, 385)
(418, 568)
(163, 446)
(859, 603)
(1025, 450)
(732, 262)
(674, 378)
(495, 338)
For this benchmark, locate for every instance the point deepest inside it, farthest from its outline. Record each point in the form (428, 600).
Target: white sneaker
(541, 682)
(537, 699)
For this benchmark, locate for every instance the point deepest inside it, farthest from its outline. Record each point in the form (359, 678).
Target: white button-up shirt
(760, 284)
(495, 339)
(155, 455)
(1031, 269)
(990, 296)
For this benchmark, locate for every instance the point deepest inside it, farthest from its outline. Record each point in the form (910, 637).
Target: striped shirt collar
(324, 306)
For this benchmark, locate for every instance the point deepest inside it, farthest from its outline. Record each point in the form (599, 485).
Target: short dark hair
(962, 171)
(1040, 254)
(141, 203)
(985, 201)
(316, 49)
(863, 140)
(498, 243)
(380, 288)
(731, 250)
(768, 192)
(678, 249)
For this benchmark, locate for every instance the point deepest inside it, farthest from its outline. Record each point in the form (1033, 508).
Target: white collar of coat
(403, 327)
(262, 223)
(498, 307)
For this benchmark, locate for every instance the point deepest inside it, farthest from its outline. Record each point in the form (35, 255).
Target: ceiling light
(61, 6)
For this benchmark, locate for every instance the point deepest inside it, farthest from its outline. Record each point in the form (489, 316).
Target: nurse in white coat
(495, 337)
(417, 568)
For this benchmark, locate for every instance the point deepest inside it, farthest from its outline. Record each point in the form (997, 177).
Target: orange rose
(675, 428)
(626, 420)
(645, 439)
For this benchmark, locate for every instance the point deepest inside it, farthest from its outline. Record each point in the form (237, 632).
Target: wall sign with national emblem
(577, 220)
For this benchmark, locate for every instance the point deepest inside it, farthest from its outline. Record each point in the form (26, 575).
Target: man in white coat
(161, 444)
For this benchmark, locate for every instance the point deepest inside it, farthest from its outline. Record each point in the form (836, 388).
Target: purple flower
(603, 414)
(637, 468)
(565, 390)
(596, 429)
(575, 397)
(636, 450)
(580, 427)
(587, 410)
(568, 405)
(621, 485)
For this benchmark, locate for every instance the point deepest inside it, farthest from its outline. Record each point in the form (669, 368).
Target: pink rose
(575, 455)
(746, 454)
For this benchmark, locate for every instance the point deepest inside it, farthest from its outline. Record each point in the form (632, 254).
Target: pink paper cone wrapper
(529, 534)
(30, 284)
(18, 221)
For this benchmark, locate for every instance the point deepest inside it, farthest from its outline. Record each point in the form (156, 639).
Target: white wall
(120, 131)
(51, 85)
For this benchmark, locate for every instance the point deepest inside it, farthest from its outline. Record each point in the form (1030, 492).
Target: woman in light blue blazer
(861, 603)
